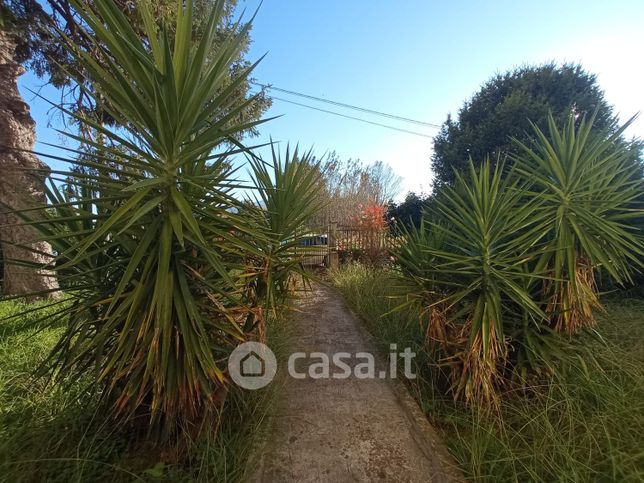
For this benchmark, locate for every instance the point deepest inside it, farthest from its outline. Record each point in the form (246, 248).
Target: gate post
(333, 260)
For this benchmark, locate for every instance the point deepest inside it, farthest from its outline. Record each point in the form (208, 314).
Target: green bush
(587, 186)
(165, 269)
(505, 262)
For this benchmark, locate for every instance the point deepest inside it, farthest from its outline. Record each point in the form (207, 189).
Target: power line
(353, 118)
(349, 106)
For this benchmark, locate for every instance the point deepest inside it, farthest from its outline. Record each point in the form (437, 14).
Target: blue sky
(420, 59)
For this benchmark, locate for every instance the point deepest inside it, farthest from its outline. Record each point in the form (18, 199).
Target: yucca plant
(506, 263)
(149, 242)
(588, 186)
(287, 195)
(415, 256)
(475, 266)
(417, 266)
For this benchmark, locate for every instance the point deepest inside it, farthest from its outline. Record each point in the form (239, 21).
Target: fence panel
(359, 243)
(344, 243)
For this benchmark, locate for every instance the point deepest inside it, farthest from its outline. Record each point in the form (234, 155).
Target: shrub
(152, 244)
(587, 185)
(474, 274)
(505, 263)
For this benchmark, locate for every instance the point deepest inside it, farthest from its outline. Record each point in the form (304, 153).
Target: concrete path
(341, 430)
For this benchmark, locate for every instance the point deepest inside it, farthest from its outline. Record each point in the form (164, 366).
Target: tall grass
(583, 424)
(51, 432)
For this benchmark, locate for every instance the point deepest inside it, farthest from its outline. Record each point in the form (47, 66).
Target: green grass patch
(51, 432)
(577, 425)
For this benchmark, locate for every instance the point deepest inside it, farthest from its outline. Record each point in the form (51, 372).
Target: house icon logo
(252, 365)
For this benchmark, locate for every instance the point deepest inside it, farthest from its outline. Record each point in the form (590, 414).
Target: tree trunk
(19, 186)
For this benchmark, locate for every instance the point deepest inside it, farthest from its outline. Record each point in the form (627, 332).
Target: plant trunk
(23, 255)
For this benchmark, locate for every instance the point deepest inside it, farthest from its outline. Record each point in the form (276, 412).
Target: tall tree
(350, 184)
(30, 38)
(23, 254)
(504, 108)
(408, 212)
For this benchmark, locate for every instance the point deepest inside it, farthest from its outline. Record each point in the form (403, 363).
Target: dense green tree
(408, 212)
(504, 107)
